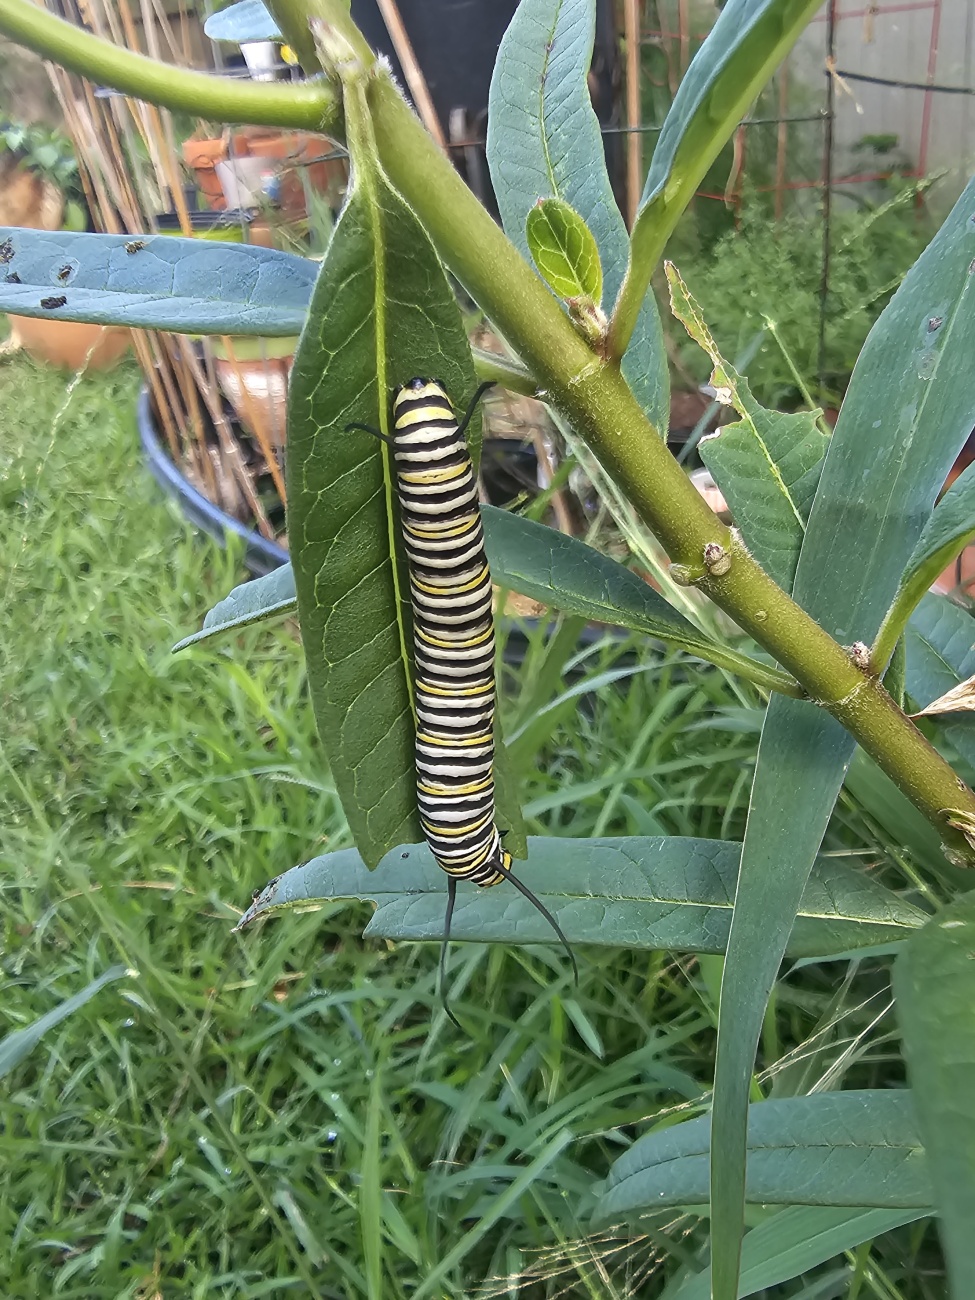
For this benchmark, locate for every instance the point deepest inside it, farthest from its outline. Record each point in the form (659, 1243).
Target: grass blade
(934, 982)
(796, 1240)
(14, 1047)
(499, 1207)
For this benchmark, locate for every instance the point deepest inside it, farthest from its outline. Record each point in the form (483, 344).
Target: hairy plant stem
(313, 106)
(588, 391)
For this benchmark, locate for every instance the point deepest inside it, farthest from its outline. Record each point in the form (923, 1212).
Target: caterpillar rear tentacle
(453, 642)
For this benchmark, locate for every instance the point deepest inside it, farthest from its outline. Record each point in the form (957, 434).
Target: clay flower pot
(68, 343)
(202, 156)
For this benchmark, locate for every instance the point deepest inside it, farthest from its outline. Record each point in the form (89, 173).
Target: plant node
(717, 561)
(860, 654)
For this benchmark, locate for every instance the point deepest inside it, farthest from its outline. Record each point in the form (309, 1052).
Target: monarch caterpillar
(453, 642)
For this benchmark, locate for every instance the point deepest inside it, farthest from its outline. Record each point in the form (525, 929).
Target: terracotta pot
(68, 343)
(293, 150)
(257, 389)
(202, 156)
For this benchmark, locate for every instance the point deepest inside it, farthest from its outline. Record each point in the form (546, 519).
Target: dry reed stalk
(256, 423)
(144, 357)
(131, 170)
(191, 395)
(411, 69)
(231, 451)
(563, 515)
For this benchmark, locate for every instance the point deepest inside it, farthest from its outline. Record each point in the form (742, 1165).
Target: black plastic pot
(260, 555)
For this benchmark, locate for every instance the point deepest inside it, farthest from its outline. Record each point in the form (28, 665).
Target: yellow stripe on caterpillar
(440, 591)
(458, 742)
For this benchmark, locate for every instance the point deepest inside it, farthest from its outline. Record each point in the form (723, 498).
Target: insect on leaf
(190, 286)
(382, 313)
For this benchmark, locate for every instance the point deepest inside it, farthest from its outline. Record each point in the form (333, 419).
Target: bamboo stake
(411, 70)
(256, 423)
(228, 445)
(179, 347)
(144, 357)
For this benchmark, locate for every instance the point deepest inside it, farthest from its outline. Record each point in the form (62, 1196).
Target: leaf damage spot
(6, 251)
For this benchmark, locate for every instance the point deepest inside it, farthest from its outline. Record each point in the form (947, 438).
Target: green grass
(289, 1112)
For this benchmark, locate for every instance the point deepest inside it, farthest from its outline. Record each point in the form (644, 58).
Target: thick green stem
(311, 106)
(597, 401)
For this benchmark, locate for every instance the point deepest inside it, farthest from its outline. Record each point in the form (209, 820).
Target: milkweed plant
(826, 574)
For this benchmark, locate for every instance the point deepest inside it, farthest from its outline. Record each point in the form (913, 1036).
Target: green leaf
(909, 409)
(940, 650)
(940, 655)
(796, 1240)
(831, 1148)
(247, 20)
(192, 286)
(767, 464)
(266, 598)
(536, 561)
(901, 821)
(544, 142)
(352, 589)
(564, 250)
(628, 892)
(742, 50)
(14, 1047)
(570, 576)
(934, 983)
(945, 535)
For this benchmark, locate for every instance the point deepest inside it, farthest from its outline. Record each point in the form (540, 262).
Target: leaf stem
(311, 106)
(705, 113)
(504, 371)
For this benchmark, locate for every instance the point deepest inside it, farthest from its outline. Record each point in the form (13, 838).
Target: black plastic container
(260, 555)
